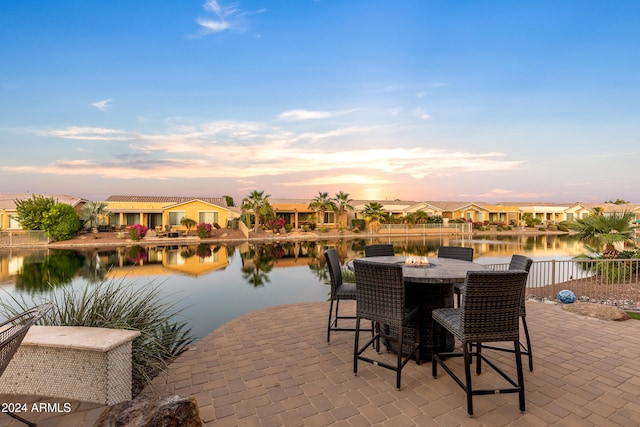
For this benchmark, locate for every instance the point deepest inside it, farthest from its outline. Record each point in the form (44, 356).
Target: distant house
(297, 213)
(8, 212)
(162, 211)
(610, 208)
(469, 211)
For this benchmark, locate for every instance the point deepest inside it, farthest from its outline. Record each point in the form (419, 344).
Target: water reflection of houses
(191, 260)
(279, 254)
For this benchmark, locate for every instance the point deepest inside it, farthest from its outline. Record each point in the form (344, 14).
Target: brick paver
(274, 367)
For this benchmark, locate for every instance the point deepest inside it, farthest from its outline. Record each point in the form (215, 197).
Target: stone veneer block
(80, 363)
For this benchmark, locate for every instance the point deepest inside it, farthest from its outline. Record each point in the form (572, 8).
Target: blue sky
(414, 99)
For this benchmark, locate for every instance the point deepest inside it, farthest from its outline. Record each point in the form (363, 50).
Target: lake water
(214, 284)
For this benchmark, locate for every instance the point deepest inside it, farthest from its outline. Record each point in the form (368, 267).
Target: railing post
(553, 273)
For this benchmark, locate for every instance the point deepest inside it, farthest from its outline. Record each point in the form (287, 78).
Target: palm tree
(92, 212)
(321, 204)
(373, 213)
(257, 203)
(598, 230)
(343, 202)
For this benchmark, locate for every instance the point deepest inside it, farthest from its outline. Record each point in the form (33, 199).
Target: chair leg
(355, 347)
(14, 416)
(526, 334)
(478, 358)
(467, 374)
(434, 356)
(418, 338)
(330, 317)
(516, 345)
(399, 360)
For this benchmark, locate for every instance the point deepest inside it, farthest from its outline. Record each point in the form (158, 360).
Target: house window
(175, 218)
(131, 219)
(114, 219)
(208, 217)
(329, 218)
(13, 222)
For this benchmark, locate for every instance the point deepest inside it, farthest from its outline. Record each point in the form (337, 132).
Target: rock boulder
(170, 411)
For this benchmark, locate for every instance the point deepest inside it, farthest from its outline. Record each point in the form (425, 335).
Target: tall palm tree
(257, 203)
(92, 212)
(343, 202)
(598, 230)
(374, 213)
(321, 204)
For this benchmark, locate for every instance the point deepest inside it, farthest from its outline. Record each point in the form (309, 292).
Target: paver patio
(274, 367)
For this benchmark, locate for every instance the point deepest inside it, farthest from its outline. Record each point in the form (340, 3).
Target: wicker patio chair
(382, 249)
(490, 314)
(456, 252)
(12, 332)
(521, 262)
(339, 291)
(381, 299)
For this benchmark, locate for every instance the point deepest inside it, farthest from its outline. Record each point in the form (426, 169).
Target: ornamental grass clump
(118, 305)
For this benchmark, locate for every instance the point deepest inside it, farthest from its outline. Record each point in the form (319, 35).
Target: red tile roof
(220, 201)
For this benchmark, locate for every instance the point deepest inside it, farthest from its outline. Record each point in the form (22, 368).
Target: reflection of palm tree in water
(256, 273)
(318, 264)
(94, 270)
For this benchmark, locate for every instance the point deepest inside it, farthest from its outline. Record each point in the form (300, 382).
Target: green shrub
(358, 224)
(137, 231)
(324, 229)
(30, 212)
(115, 304)
(61, 222)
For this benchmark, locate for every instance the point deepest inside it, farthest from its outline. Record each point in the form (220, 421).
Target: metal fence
(422, 229)
(606, 281)
(23, 238)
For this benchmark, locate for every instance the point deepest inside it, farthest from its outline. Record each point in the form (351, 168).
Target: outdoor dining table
(431, 285)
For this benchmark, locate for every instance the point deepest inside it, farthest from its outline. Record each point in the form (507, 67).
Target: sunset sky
(411, 99)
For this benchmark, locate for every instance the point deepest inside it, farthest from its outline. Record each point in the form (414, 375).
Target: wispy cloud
(352, 179)
(298, 115)
(501, 193)
(220, 17)
(252, 151)
(420, 113)
(88, 134)
(103, 105)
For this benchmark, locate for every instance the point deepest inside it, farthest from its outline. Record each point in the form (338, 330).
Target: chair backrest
(520, 262)
(379, 292)
(13, 331)
(382, 249)
(456, 252)
(335, 269)
(491, 310)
